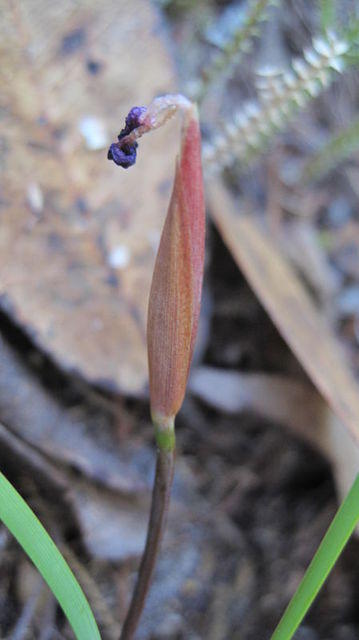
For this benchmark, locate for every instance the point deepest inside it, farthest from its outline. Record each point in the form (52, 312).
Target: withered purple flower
(132, 121)
(124, 154)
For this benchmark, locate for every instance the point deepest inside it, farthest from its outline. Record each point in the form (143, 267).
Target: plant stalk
(159, 509)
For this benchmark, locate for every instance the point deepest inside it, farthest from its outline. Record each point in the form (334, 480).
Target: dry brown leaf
(78, 235)
(298, 241)
(68, 436)
(279, 398)
(112, 527)
(291, 403)
(290, 307)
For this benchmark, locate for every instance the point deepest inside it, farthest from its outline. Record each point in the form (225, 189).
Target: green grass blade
(339, 148)
(327, 14)
(326, 556)
(31, 535)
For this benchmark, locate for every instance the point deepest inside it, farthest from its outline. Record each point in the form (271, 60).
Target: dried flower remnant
(177, 280)
(176, 286)
(175, 295)
(140, 120)
(124, 156)
(124, 153)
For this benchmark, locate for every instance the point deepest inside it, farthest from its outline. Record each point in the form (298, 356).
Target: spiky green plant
(239, 43)
(280, 95)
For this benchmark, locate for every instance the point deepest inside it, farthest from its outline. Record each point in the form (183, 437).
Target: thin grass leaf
(37, 544)
(339, 148)
(327, 14)
(351, 33)
(352, 59)
(324, 560)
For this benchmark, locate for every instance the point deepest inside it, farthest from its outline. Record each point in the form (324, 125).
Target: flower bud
(175, 296)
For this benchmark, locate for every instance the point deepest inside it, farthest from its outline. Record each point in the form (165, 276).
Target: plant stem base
(159, 508)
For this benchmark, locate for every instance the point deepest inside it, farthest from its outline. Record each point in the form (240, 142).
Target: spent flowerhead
(175, 295)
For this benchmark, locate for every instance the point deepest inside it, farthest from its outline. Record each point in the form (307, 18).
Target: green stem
(159, 508)
(31, 535)
(326, 556)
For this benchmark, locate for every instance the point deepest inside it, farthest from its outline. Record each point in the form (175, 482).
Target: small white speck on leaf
(35, 197)
(94, 132)
(119, 257)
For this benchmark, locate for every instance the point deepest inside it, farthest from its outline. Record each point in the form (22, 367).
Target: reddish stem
(159, 508)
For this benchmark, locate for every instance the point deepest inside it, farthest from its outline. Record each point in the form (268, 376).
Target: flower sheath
(174, 302)
(175, 295)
